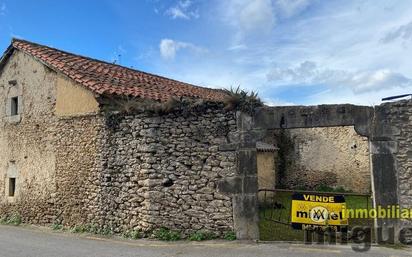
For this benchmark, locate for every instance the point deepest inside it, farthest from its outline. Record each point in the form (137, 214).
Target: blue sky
(290, 51)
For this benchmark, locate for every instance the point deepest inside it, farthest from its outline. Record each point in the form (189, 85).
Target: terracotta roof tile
(106, 78)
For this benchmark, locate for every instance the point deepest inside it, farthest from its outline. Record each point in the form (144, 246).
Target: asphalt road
(41, 242)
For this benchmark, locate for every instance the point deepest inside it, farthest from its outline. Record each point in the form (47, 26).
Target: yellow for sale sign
(316, 211)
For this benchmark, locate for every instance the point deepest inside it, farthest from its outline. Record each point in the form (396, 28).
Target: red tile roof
(106, 78)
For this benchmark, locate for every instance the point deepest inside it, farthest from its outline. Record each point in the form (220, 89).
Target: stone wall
(330, 156)
(142, 172)
(163, 170)
(116, 172)
(27, 140)
(78, 179)
(396, 141)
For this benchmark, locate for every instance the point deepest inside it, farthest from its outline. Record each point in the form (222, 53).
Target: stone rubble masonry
(114, 171)
(27, 139)
(125, 172)
(330, 156)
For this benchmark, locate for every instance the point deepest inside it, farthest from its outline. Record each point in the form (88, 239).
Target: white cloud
(176, 12)
(259, 17)
(248, 16)
(182, 10)
(276, 102)
(185, 4)
(359, 81)
(169, 48)
(344, 41)
(289, 8)
(348, 96)
(237, 47)
(402, 32)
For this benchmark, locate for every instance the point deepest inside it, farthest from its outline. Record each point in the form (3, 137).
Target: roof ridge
(112, 64)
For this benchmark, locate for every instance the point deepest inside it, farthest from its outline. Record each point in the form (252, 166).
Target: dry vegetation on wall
(241, 100)
(236, 99)
(128, 105)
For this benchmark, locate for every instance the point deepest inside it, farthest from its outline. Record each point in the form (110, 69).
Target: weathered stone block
(245, 216)
(247, 162)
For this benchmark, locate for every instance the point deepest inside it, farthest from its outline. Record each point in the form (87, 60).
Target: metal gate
(275, 213)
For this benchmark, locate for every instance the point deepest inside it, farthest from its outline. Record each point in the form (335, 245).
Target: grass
(132, 234)
(163, 234)
(14, 219)
(230, 236)
(201, 236)
(166, 234)
(56, 226)
(282, 231)
(274, 231)
(84, 228)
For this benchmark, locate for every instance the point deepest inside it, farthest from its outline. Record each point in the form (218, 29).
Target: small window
(14, 108)
(12, 186)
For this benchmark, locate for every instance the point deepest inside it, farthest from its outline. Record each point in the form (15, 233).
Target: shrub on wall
(241, 100)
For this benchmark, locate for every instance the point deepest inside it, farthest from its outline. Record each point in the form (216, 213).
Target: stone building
(67, 158)
(88, 142)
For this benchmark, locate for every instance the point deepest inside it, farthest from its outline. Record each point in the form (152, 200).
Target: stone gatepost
(244, 185)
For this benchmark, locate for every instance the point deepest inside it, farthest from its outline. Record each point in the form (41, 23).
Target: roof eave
(5, 57)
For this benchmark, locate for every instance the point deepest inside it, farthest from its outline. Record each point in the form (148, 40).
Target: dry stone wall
(142, 172)
(330, 156)
(163, 171)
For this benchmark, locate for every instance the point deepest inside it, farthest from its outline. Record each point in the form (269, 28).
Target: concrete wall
(329, 156)
(72, 99)
(26, 140)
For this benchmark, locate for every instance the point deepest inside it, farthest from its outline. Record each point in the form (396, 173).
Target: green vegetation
(202, 235)
(166, 234)
(56, 226)
(163, 233)
(132, 234)
(230, 236)
(279, 230)
(14, 219)
(78, 229)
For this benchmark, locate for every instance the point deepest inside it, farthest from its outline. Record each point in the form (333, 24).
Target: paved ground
(31, 242)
